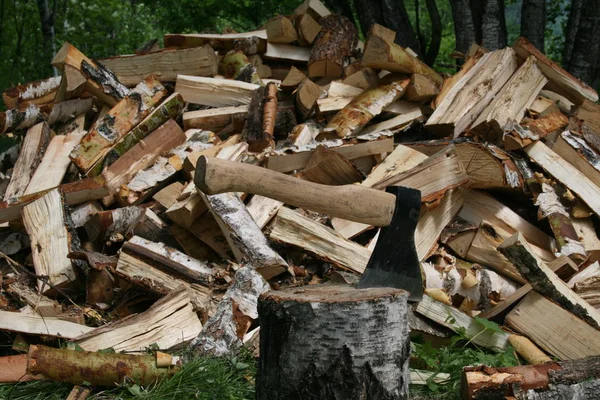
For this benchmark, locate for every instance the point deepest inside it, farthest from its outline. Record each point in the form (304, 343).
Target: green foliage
(451, 359)
(202, 378)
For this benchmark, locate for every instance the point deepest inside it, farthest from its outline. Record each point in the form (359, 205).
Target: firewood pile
(107, 242)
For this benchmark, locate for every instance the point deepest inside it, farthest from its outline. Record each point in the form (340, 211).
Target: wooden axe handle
(351, 202)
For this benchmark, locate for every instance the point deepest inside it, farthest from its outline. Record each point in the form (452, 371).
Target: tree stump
(333, 342)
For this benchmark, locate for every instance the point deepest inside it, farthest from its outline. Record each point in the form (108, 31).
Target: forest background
(438, 30)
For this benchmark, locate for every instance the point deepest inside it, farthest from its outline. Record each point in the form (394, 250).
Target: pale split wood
(51, 241)
(565, 173)
(214, 119)
(214, 92)
(580, 154)
(169, 323)
(252, 42)
(396, 123)
(287, 53)
(38, 325)
(553, 328)
(263, 209)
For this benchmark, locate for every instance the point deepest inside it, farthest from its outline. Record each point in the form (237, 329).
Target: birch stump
(333, 342)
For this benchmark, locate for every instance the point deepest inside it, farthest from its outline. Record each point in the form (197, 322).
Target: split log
(472, 93)
(559, 80)
(580, 154)
(263, 70)
(330, 168)
(303, 134)
(102, 225)
(281, 30)
(141, 156)
(315, 8)
(169, 108)
(334, 43)
(420, 89)
(339, 89)
(511, 102)
(243, 235)
(69, 109)
(253, 42)
(31, 155)
(113, 126)
(37, 93)
(52, 238)
(38, 325)
(236, 65)
(260, 122)
(98, 369)
(165, 64)
(290, 336)
(305, 98)
(364, 79)
(286, 53)
(42, 305)
(454, 319)
(308, 28)
(56, 161)
(207, 230)
(292, 228)
(489, 167)
(565, 173)
(215, 119)
(545, 281)
(382, 53)
(562, 266)
(354, 116)
(214, 92)
(142, 273)
(293, 79)
(224, 331)
(169, 323)
(16, 120)
(486, 382)
(282, 162)
(167, 196)
(588, 112)
(150, 226)
(263, 209)
(544, 321)
(98, 80)
(530, 130)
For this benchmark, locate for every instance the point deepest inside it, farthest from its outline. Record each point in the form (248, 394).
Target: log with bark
(291, 337)
(334, 43)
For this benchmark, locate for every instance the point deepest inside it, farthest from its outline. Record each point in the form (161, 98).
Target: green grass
(203, 378)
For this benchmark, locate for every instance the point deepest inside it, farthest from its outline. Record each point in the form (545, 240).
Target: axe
(394, 261)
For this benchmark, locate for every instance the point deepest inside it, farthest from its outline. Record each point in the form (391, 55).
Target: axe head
(394, 262)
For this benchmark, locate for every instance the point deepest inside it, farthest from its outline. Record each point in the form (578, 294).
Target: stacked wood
(164, 214)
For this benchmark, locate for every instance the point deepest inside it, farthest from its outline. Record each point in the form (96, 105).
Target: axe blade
(394, 261)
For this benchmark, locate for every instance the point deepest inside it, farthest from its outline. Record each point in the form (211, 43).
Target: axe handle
(351, 202)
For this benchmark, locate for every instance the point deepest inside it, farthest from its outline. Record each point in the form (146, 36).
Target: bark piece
(243, 235)
(142, 156)
(171, 322)
(294, 229)
(281, 30)
(101, 369)
(56, 161)
(16, 120)
(545, 281)
(214, 92)
(472, 93)
(544, 321)
(260, 122)
(37, 93)
(102, 225)
(169, 108)
(481, 336)
(113, 126)
(165, 64)
(565, 173)
(382, 53)
(530, 130)
(32, 151)
(334, 43)
(224, 331)
(559, 80)
(253, 42)
(301, 318)
(43, 326)
(354, 116)
(51, 240)
(511, 101)
(100, 81)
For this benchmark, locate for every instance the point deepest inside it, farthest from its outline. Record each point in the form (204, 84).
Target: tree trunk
(586, 47)
(493, 25)
(342, 7)
(464, 25)
(47, 25)
(571, 32)
(533, 22)
(436, 33)
(333, 342)
(369, 12)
